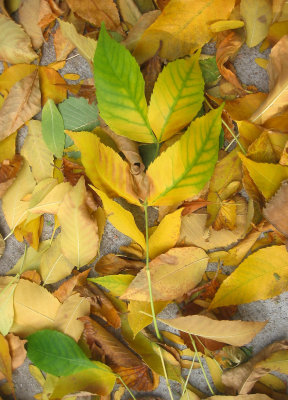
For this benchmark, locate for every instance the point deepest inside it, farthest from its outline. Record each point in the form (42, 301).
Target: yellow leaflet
(51, 202)
(185, 167)
(122, 219)
(261, 276)
(177, 97)
(220, 26)
(104, 167)
(262, 62)
(165, 235)
(7, 147)
(79, 233)
(72, 77)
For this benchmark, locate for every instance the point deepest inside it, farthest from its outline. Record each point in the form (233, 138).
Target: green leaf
(56, 353)
(78, 115)
(117, 284)
(120, 90)
(177, 97)
(209, 70)
(185, 167)
(53, 128)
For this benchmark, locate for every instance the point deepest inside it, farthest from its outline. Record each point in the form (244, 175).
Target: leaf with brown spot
(114, 264)
(21, 104)
(122, 361)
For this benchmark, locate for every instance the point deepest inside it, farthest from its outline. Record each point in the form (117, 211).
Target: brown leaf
(48, 12)
(8, 172)
(243, 378)
(6, 363)
(132, 370)
(21, 104)
(62, 45)
(276, 210)
(228, 43)
(32, 275)
(68, 287)
(28, 17)
(113, 264)
(150, 70)
(96, 12)
(101, 305)
(16, 349)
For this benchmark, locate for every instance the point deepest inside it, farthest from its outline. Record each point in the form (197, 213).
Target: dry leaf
(276, 210)
(6, 363)
(8, 172)
(28, 17)
(22, 103)
(7, 288)
(62, 45)
(48, 12)
(113, 264)
(68, 287)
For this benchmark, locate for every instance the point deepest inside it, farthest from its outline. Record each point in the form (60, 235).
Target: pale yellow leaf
(7, 147)
(28, 17)
(129, 11)
(79, 233)
(172, 275)
(237, 333)
(7, 288)
(165, 235)
(35, 308)
(216, 373)
(67, 316)
(122, 219)
(30, 260)
(50, 204)
(15, 45)
(37, 153)
(21, 104)
(53, 265)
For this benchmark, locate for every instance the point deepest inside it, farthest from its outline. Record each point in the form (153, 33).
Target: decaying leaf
(5, 362)
(113, 264)
(8, 172)
(276, 210)
(28, 16)
(7, 288)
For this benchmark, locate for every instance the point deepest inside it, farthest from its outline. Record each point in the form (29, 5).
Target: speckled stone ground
(274, 310)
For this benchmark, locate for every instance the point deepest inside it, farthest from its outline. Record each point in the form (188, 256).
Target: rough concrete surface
(274, 310)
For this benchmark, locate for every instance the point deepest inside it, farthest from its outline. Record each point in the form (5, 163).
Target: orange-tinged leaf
(22, 103)
(104, 167)
(8, 171)
(122, 361)
(67, 288)
(79, 233)
(15, 45)
(172, 275)
(276, 210)
(5, 362)
(261, 276)
(276, 101)
(182, 27)
(63, 47)
(28, 17)
(236, 333)
(52, 85)
(166, 234)
(16, 349)
(113, 264)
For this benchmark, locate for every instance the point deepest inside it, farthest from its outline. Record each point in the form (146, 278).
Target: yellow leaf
(122, 219)
(257, 16)
(137, 320)
(67, 316)
(21, 104)
(166, 234)
(79, 233)
(262, 62)
(241, 397)
(261, 276)
(6, 362)
(72, 77)
(182, 27)
(28, 17)
(237, 333)
(129, 11)
(51, 202)
(13, 208)
(276, 102)
(52, 85)
(7, 287)
(86, 46)
(216, 374)
(172, 275)
(276, 362)
(178, 174)
(30, 230)
(14, 74)
(267, 177)
(31, 261)
(177, 97)
(35, 308)
(37, 153)
(104, 167)
(220, 26)
(194, 229)
(7, 147)
(53, 265)
(15, 45)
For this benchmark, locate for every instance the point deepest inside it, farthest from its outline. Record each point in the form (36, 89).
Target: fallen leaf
(243, 377)
(182, 27)
(136, 319)
(6, 363)
(243, 285)
(48, 12)
(17, 350)
(51, 202)
(62, 45)
(78, 115)
(66, 289)
(122, 361)
(30, 315)
(7, 288)
(8, 172)
(241, 397)
(52, 85)
(79, 233)
(257, 18)
(30, 231)
(278, 83)
(28, 17)
(166, 234)
(69, 312)
(221, 26)
(276, 210)
(116, 284)
(150, 71)
(129, 11)
(53, 128)
(32, 276)
(236, 333)
(2, 245)
(8, 147)
(22, 103)
(15, 46)
(36, 152)
(113, 264)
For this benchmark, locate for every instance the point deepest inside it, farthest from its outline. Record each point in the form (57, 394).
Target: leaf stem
(159, 337)
(126, 387)
(188, 376)
(201, 365)
(165, 374)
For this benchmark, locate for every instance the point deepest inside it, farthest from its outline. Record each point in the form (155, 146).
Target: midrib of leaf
(176, 98)
(52, 269)
(52, 121)
(45, 205)
(184, 26)
(72, 315)
(34, 311)
(77, 361)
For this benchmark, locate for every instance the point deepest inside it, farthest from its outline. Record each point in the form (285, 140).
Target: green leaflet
(117, 284)
(53, 128)
(58, 354)
(78, 115)
(120, 90)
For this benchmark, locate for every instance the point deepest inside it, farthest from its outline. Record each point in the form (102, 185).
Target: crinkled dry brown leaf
(68, 287)
(17, 351)
(28, 17)
(22, 103)
(48, 12)
(243, 377)
(276, 210)
(114, 264)
(8, 172)
(132, 370)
